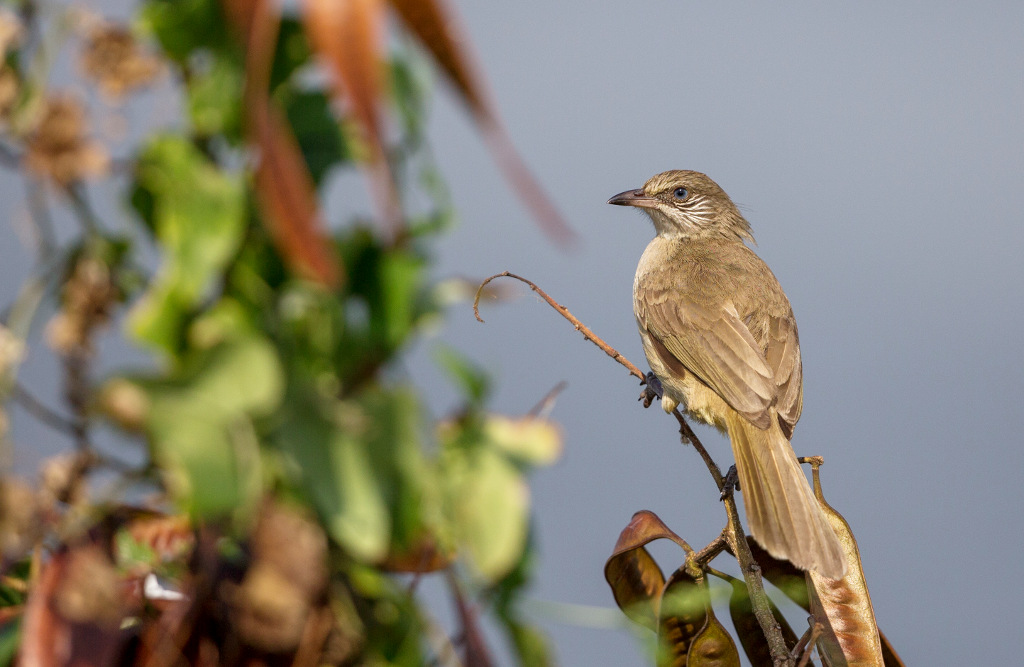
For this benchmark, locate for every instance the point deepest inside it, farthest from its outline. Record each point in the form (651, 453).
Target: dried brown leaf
(288, 196)
(73, 611)
(348, 35)
(634, 577)
(843, 605)
(284, 186)
(889, 655)
(433, 24)
(420, 557)
(272, 607)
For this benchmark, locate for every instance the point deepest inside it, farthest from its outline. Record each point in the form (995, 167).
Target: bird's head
(687, 205)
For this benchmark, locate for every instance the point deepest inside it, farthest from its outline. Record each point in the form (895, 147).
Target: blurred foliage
(294, 486)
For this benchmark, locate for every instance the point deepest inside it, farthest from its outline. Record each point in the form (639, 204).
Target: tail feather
(784, 516)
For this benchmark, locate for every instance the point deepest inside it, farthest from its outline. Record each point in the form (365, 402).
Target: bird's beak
(633, 198)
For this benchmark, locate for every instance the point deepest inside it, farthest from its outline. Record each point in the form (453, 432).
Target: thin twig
(42, 221)
(80, 204)
(42, 412)
(708, 553)
(546, 404)
(805, 646)
(564, 312)
(688, 436)
(755, 586)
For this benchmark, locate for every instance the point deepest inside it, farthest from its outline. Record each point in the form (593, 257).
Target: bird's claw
(652, 390)
(731, 483)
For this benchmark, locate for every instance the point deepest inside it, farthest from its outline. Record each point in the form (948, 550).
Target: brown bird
(719, 334)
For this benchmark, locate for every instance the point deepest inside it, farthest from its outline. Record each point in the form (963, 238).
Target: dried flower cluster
(114, 59)
(60, 148)
(88, 295)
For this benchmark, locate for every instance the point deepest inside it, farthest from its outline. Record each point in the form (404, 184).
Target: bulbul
(719, 334)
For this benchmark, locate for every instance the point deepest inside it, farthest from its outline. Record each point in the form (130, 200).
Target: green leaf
(184, 26)
(200, 424)
(214, 95)
(199, 220)
(489, 502)
(10, 639)
(317, 131)
(469, 377)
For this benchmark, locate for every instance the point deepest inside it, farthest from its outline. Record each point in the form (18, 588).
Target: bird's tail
(784, 516)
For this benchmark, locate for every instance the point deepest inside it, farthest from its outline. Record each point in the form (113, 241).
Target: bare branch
(564, 312)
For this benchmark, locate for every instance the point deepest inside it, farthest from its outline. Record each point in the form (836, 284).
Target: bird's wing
(782, 353)
(715, 345)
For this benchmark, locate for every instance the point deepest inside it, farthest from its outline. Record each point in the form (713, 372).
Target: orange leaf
(286, 191)
(435, 27)
(348, 35)
(284, 186)
(844, 605)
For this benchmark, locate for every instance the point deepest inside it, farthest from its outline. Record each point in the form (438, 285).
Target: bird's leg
(730, 483)
(652, 390)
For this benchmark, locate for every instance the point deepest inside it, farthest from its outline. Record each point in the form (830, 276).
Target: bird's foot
(731, 483)
(652, 390)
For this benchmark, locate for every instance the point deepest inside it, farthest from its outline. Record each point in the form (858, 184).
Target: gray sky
(878, 152)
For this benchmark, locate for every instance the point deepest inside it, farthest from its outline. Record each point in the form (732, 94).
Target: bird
(719, 333)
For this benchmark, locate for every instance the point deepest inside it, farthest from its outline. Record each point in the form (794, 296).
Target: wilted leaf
(712, 647)
(348, 35)
(286, 579)
(844, 605)
(423, 556)
(199, 218)
(433, 24)
(889, 655)
(288, 195)
(284, 186)
(683, 614)
(749, 630)
(73, 611)
(634, 577)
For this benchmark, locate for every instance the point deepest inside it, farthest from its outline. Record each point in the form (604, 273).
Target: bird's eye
(680, 193)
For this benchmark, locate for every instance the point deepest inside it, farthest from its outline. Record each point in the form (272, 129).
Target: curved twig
(564, 312)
